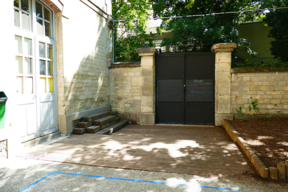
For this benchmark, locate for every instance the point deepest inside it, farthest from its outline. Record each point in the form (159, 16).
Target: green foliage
(132, 33)
(255, 107)
(202, 32)
(278, 112)
(240, 114)
(247, 63)
(277, 19)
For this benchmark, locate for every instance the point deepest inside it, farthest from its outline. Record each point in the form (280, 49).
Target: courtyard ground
(204, 151)
(38, 176)
(137, 158)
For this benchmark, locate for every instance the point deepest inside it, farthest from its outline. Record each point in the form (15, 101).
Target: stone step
(95, 116)
(113, 128)
(83, 124)
(93, 129)
(79, 131)
(104, 120)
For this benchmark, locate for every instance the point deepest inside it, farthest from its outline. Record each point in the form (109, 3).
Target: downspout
(113, 41)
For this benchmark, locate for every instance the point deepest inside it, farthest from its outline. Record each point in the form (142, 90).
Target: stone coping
(125, 64)
(250, 153)
(259, 70)
(223, 47)
(146, 50)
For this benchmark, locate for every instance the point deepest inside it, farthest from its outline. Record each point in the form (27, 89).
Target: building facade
(54, 64)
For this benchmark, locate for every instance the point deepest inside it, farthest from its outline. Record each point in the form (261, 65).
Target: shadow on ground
(203, 151)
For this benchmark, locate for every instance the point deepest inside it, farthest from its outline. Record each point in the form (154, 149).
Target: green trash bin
(3, 99)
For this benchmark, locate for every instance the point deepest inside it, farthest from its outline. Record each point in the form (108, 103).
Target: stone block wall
(125, 90)
(85, 58)
(269, 88)
(84, 49)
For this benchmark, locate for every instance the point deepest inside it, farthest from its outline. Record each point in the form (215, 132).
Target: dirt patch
(269, 138)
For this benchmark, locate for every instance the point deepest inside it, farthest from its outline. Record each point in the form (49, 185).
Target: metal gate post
(147, 116)
(223, 59)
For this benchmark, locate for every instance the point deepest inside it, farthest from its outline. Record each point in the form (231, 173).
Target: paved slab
(202, 151)
(37, 176)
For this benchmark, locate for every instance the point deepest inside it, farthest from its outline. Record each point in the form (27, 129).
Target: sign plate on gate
(199, 90)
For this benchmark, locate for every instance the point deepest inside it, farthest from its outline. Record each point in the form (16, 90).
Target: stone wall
(125, 89)
(84, 49)
(269, 88)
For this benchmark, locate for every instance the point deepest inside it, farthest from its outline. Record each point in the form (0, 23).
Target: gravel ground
(17, 174)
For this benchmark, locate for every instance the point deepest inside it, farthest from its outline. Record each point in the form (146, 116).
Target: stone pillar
(147, 115)
(223, 81)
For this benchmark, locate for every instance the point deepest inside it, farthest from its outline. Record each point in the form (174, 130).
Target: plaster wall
(10, 132)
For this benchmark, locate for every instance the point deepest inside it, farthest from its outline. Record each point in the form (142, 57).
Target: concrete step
(95, 116)
(104, 120)
(113, 128)
(79, 131)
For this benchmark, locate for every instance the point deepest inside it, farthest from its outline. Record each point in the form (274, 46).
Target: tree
(277, 19)
(130, 34)
(201, 32)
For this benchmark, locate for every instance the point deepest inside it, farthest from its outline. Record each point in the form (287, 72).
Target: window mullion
(30, 15)
(43, 20)
(34, 20)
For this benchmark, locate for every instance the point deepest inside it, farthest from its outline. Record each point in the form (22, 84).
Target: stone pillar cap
(146, 51)
(223, 47)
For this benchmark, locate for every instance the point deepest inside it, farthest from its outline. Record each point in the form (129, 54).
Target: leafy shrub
(248, 63)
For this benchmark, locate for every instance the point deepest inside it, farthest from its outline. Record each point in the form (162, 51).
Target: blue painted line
(37, 182)
(121, 179)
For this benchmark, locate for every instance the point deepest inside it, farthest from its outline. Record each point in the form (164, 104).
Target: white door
(46, 87)
(35, 68)
(26, 94)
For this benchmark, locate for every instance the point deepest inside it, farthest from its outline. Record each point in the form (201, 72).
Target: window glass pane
(16, 3)
(19, 65)
(25, 21)
(39, 10)
(46, 14)
(50, 51)
(47, 29)
(40, 26)
(19, 85)
(42, 67)
(28, 63)
(18, 45)
(28, 86)
(51, 85)
(42, 50)
(50, 68)
(25, 5)
(27, 46)
(16, 18)
(42, 85)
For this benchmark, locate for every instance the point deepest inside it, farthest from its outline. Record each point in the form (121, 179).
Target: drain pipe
(113, 40)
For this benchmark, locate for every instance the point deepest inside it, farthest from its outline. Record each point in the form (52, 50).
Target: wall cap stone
(223, 47)
(146, 51)
(125, 64)
(259, 70)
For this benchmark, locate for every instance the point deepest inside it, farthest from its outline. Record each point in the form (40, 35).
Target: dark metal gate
(185, 88)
